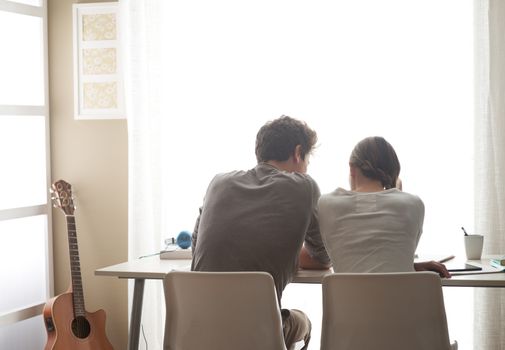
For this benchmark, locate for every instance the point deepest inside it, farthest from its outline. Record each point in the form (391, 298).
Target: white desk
(156, 268)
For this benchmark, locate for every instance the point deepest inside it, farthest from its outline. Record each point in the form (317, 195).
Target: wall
(92, 156)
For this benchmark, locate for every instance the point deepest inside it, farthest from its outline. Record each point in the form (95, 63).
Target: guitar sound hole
(80, 327)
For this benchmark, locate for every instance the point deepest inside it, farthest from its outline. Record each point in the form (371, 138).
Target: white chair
(221, 311)
(384, 311)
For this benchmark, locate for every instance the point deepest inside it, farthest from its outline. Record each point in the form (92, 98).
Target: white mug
(473, 246)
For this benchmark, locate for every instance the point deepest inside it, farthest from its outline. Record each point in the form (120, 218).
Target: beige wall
(92, 156)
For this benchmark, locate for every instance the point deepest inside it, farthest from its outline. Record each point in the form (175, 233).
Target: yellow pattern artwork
(99, 27)
(100, 95)
(99, 61)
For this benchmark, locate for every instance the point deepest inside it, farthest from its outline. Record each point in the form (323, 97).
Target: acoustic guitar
(69, 326)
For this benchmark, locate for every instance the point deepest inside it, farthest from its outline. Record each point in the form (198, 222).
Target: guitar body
(58, 318)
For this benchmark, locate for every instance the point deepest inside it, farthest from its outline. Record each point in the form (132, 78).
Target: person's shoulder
(408, 195)
(309, 182)
(233, 173)
(288, 176)
(227, 177)
(299, 183)
(339, 191)
(303, 178)
(333, 196)
(409, 198)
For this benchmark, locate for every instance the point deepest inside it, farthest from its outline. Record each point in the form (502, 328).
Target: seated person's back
(256, 220)
(265, 219)
(375, 227)
(371, 231)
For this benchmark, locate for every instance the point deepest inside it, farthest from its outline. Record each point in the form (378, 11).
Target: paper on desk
(439, 258)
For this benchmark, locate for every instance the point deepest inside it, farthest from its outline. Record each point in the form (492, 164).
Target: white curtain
(489, 323)
(140, 29)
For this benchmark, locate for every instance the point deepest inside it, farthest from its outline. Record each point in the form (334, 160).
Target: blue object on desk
(184, 239)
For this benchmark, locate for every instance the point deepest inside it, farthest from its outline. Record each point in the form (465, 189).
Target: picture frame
(98, 79)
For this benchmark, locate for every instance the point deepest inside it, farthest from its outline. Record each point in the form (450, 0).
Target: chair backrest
(222, 310)
(384, 311)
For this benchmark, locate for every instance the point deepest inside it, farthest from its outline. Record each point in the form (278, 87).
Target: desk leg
(136, 315)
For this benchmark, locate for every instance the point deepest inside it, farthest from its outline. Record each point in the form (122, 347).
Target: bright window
(23, 154)
(15, 336)
(403, 70)
(351, 69)
(22, 243)
(25, 238)
(22, 61)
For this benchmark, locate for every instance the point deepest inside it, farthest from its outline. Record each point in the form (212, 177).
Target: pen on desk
(466, 234)
(450, 257)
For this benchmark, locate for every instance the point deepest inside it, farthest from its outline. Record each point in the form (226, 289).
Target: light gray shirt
(257, 220)
(371, 232)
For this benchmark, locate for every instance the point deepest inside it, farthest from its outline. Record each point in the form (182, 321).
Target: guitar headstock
(63, 196)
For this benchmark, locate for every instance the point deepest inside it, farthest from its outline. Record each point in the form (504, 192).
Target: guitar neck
(75, 268)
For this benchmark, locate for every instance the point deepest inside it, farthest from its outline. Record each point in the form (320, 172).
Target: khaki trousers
(296, 326)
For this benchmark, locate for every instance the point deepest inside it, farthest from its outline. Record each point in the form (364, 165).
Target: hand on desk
(432, 266)
(306, 262)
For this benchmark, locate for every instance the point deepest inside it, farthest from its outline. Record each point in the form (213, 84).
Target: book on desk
(498, 263)
(174, 254)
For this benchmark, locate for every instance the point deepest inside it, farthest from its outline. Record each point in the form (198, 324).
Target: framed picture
(98, 81)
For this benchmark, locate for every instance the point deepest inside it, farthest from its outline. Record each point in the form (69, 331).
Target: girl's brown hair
(377, 160)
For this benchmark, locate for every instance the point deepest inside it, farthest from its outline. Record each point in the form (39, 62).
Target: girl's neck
(369, 189)
(364, 184)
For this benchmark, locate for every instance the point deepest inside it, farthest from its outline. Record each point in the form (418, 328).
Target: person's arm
(313, 255)
(309, 263)
(194, 236)
(432, 266)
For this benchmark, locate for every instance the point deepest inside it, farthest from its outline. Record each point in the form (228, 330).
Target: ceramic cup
(473, 246)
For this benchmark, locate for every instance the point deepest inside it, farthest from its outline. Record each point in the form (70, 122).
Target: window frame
(29, 311)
